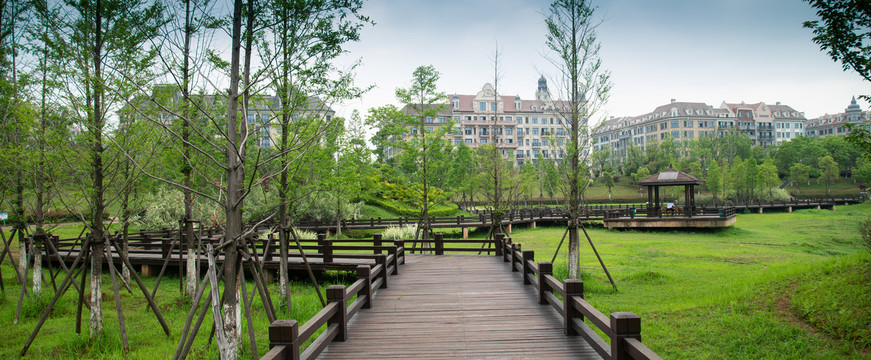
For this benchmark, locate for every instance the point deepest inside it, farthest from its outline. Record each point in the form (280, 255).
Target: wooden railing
(286, 337)
(622, 328)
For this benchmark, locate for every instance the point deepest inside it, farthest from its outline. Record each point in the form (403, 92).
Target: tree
(108, 41)
(423, 101)
(310, 37)
(842, 32)
(828, 171)
(768, 176)
(714, 180)
(798, 174)
(609, 181)
(571, 36)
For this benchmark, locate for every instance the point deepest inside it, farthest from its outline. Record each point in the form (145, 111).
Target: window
(535, 120)
(469, 131)
(492, 106)
(675, 124)
(468, 141)
(482, 106)
(457, 141)
(264, 142)
(508, 131)
(251, 119)
(483, 131)
(508, 118)
(468, 118)
(429, 119)
(534, 131)
(441, 119)
(688, 134)
(688, 124)
(428, 129)
(543, 142)
(787, 125)
(519, 119)
(663, 126)
(675, 134)
(456, 105)
(534, 108)
(483, 141)
(519, 131)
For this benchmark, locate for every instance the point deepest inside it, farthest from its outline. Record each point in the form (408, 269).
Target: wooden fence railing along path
(591, 212)
(415, 317)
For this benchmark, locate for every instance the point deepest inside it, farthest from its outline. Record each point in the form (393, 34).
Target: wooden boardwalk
(458, 307)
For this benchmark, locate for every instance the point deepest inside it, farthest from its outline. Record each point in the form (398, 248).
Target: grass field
(772, 286)
(775, 285)
(58, 340)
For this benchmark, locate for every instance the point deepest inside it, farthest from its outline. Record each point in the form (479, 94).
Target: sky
(696, 51)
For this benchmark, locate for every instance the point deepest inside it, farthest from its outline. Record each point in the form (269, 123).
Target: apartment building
(834, 124)
(766, 125)
(523, 130)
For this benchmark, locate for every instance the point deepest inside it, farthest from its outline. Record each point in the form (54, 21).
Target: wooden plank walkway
(458, 307)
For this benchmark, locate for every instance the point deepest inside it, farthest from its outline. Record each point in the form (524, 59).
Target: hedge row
(407, 210)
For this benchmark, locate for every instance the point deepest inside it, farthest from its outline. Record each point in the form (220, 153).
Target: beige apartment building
(834, 124)
(766, 125)
(523, 130)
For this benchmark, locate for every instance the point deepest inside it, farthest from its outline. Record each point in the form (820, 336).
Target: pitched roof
(670, 177)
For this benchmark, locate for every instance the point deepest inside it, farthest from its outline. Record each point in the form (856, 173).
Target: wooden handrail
(623, 328)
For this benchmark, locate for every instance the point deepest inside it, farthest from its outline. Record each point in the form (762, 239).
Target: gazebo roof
(670, 177)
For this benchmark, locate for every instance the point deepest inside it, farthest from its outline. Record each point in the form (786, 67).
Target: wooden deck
(458, 307)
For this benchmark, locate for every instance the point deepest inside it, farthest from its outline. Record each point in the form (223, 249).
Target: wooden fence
(623, 328)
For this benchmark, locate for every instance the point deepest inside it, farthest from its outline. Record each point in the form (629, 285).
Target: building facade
(523, 130)
(766, 125)
(834, 124)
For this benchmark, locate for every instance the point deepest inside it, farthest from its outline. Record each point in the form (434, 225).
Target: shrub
(399, 233)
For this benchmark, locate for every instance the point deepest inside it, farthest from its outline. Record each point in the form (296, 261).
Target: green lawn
(58, 339)
(738, 293)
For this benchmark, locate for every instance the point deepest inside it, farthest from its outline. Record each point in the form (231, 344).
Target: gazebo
(671, 177)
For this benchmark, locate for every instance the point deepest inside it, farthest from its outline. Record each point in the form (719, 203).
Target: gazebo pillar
(657, 211)
(649, 200)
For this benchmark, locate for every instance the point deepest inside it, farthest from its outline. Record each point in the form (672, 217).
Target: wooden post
(500, 240)
(516, 248)
(381, 259)
(573, 287)
(528, 255)
(363, 273)
(400, 244)
(544, 268)
(465, 233)
(392, 250)
(439, 244)
(506, 250)
(336, 294)
(376, 240)
(624, 325)
(285, 333)
(326, 248)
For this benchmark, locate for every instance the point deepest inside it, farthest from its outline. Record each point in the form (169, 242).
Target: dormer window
(688, 111)
(698, 112)
(456, 104)
(534, 108)
(710, 112)
(517, 105)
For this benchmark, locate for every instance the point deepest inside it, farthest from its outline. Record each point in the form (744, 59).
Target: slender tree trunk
(283, 186)
(192, 274)
(235, 182)
(99, 238)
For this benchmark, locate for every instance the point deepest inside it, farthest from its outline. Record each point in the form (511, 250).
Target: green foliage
(642, 174)
(799, 174)
(714, 181)
(828, 171)
(399, 233)
(403, 209)
(842, 31)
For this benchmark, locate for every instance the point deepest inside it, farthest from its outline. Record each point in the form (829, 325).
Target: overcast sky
(699, 51)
